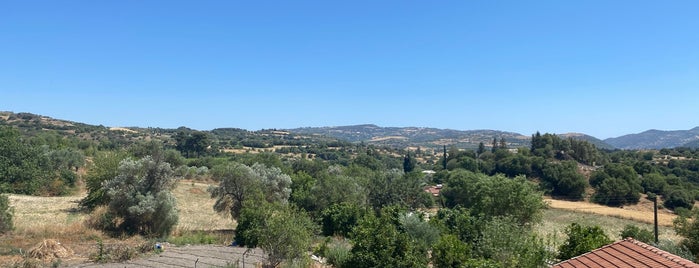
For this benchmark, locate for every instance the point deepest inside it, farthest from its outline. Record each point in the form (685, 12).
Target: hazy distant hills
(657, 139)
(397, 137)
(432, 137)
(425, 137)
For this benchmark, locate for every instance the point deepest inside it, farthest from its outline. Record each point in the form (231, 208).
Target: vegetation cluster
(354, 204)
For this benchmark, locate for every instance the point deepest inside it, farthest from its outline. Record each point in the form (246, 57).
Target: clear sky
(604, 68)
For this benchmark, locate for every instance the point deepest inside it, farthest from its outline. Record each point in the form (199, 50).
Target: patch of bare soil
(122, 129)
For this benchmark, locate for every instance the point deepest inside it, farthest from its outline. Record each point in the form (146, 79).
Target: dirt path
(188, 256)
(641, 212)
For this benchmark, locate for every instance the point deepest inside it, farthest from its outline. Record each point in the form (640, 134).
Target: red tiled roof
(627, 253)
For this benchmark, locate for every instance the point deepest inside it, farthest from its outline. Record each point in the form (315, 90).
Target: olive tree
(140, 195)
(284, 233)
(240, 183)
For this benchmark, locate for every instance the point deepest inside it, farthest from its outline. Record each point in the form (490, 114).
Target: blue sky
(604, 68)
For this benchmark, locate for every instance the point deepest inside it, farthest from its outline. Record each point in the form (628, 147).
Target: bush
(449, 251)
(6, 214)
(338, 253)
(639, 234)
(616, 192)
(679, 198)
(563, 180)
(581, 239)
(140, 197)
(339, 219)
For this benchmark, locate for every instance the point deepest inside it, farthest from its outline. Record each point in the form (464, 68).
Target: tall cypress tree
(481, 148)
(444, 162)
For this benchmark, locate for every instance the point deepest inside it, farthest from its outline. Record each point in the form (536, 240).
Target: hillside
(401, 137)
(85, 135)
(656, 139)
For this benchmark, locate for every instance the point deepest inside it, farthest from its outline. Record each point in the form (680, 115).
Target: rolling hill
(657, 139)
(395, 137)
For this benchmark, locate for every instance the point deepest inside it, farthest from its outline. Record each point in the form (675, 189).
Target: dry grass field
(556, 220)
(196, 209)
(641, 212)
(41, 218)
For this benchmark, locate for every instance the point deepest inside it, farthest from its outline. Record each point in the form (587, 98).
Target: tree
(495, 145)
(678, 197)
(493, 196)
(140, 195)
(643, 235)
(654, 183)
(240, 183)
(510, 244)
(66, 159)
(189, 142)
(105, 166)
(563, 180)
(616, 184)
(340, 218)
(379, 242)
(6, 214)
(581, 239)
(481, 148)
(282, 232)
(688, 227)
(23, 168)
(408, 163)
(393, 187)
(449, 252)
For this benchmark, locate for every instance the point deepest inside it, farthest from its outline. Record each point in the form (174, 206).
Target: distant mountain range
(657, 139)
(397, 137)
(402, 137)
(432, 137)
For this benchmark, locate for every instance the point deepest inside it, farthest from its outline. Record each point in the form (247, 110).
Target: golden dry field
(37, 219)
(641, 212)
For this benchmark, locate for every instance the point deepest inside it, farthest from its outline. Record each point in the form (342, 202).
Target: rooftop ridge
(627, 252)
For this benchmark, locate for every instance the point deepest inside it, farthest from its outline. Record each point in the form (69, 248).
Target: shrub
(140, 196)
(6, 214)
(581, 239)
(338, 253)
(679, 198)
(639, 234)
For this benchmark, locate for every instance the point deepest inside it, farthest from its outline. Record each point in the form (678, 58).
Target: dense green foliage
(688, 227)
(104, 167)
(283, 232)
(563, 180)
(581, 239)
(494, 196)
(379, 241)
(35, 169)
(285, 188)
(643, 235)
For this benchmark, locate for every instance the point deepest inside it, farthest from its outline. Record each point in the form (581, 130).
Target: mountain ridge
(403, 137)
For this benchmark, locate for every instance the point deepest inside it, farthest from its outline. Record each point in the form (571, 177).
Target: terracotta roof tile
(627, 253)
